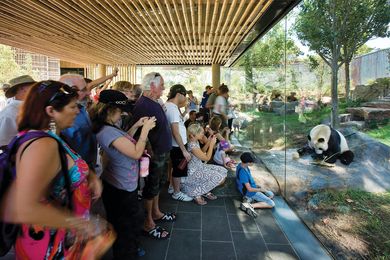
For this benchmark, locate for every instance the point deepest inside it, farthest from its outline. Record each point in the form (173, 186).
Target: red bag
(182, 165)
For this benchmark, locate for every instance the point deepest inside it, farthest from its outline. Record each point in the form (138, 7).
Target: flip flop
(167, 217)
(210, 196)
(156, 233)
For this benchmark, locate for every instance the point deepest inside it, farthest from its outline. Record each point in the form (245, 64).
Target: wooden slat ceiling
(199, 32)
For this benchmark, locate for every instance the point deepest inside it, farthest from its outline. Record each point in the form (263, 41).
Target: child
(254, 196)
(220, 156)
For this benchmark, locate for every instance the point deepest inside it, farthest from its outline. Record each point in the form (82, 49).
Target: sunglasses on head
(61, 92)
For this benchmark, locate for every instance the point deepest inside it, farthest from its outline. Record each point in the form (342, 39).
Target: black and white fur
(329, 145)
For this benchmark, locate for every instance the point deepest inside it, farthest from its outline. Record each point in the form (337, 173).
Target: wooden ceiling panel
(130, 32)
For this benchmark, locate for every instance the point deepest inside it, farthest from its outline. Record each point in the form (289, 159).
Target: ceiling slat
(199, 32)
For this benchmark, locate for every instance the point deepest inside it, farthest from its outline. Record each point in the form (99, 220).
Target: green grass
(371, 215)
(382, 134)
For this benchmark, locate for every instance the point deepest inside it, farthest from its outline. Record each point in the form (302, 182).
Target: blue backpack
(9, 231)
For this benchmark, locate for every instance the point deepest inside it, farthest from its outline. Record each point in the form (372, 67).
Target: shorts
(157, 177)
(261, 197)
(176, 158)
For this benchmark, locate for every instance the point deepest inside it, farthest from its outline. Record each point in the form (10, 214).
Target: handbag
(182, 165)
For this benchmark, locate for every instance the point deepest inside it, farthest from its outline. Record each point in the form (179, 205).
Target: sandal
(210, 196)
(167, 217)
(157, 233)
(200, 201)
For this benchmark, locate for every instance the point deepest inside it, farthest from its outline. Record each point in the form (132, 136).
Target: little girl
(202, 177)
(220, 156)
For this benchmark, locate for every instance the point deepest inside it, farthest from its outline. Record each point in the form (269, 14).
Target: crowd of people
(83, 139)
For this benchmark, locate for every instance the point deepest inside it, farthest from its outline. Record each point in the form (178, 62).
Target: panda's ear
(321, 140)
(308, 137)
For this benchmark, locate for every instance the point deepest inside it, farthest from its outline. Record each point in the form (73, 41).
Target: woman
(53, 221)
(192, 102)
(120, 176)
(221, 105)
(202, 177)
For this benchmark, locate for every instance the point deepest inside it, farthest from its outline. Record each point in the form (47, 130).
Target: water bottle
(144, 165)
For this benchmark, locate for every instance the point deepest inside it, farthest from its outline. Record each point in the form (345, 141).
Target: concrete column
(101, 70)
(216, 75)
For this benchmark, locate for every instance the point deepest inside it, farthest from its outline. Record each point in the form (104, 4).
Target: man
(17, 90)
(176, 97)
(211, 100)
(80, 136)
(160, 139)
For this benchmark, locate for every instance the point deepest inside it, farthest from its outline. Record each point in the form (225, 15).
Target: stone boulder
(370, 114)
(370, 170)
(371, 92)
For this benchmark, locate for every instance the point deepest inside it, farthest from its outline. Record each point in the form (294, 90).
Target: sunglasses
(61, 92)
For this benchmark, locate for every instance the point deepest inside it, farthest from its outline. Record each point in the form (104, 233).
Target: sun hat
(116, 98)
(17, 82)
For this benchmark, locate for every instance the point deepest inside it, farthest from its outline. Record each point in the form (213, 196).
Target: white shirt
(173, 115)
(8, 127)
(220, 105)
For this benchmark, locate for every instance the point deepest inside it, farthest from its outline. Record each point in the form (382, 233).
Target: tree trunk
(347, 80)
(249, 81)
(335, 100)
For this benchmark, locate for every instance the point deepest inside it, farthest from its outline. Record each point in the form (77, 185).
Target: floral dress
(202, 177)
(39, 242)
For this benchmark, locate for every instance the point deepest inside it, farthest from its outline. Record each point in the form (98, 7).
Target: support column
(216, 75)
(101, 70)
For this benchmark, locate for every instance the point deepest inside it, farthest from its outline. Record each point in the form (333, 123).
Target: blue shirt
(204, 99)
(81, 138)
(160, 136)
(243, 175)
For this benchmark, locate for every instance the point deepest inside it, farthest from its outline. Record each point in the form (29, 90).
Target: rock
(377, 104)
(369, 113)
(345, 118)
(371, 92)
(370, 170)
(275, 104)
(359, 125)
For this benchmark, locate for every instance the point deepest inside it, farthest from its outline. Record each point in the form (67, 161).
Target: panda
(329, 145)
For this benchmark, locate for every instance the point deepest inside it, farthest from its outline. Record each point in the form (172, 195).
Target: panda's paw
(295, 155)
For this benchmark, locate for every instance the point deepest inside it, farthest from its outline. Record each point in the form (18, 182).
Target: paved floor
(219, 230)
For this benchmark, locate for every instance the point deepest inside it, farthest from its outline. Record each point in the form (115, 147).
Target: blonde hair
(122, 86)
(194, 129)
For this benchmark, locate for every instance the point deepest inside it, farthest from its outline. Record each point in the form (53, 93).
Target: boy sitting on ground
(254, 196)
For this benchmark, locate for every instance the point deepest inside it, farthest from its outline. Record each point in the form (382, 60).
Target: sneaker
(170, 189)
(181, 196)
(248, 209)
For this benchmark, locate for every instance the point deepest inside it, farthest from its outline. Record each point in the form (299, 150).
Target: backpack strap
(35, 135)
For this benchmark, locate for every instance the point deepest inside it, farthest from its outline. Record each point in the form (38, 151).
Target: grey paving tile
(285, 252)
(249, 246)
(270, 229)
(155, 249)
(220, 202)
(184, 244)
(232, 204)
(216, 229)
(188, 220)
(168, 207)
(242, 222)
(213, 212)
(217, 251)
(188, 207)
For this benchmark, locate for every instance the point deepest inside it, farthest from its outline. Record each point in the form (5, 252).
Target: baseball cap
(178, 88)
(116, 98)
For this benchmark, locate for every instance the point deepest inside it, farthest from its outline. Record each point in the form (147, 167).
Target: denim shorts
(262, 197)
